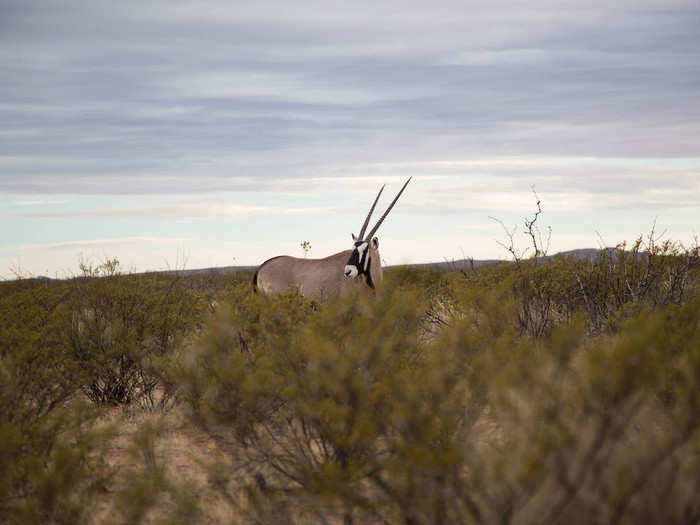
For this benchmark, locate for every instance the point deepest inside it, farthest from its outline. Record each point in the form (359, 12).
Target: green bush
(349, 413)
(50, 450)
(122, 325)
(544, 390)
(618, 282)
(608, 287)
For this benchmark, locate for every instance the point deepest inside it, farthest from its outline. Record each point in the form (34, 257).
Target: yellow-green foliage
(100, 333)
(608, 287)
(122, 325)
(539, 391)
(49, 451)
(349, 413)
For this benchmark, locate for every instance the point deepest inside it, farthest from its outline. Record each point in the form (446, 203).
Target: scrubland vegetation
(533, 391)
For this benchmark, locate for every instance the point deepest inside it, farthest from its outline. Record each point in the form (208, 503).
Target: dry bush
(50, 451)
(123, 326)
(495, 395)
(348, 414)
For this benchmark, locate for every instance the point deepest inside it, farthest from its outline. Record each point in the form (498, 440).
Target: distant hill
(578, 254)
(444, 266)
(216, 269)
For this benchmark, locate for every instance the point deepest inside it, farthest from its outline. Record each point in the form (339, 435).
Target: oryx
(332, 275)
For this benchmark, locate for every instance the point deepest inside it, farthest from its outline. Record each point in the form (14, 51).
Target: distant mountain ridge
(578, 254)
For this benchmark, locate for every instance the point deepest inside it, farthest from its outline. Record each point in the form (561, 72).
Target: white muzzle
(350, 271)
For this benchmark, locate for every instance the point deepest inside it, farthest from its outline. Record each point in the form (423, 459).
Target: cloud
(183, 111)
(439, 187)
(101, 243)
(38, 202)
(163, 88)
(180, 212)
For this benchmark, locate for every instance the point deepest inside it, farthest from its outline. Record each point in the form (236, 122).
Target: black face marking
(358, 256)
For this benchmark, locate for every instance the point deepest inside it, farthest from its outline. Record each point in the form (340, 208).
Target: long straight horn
(376, 226)
(364, 226)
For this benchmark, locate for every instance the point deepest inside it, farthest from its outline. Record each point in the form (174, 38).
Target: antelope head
(364, 246)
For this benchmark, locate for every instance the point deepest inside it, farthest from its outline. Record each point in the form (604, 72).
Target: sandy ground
(177, 449)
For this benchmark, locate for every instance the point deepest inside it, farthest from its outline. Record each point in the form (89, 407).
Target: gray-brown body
(333, 275)
(318, 278)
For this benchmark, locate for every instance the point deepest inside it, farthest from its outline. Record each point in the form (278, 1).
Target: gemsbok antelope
(321, 278)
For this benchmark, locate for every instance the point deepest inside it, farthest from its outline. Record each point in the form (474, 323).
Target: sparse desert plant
(50, 449)
(349, 414)
(306, 247)
(543, 391)
(610, 285)
(122, 325)
(619, 281)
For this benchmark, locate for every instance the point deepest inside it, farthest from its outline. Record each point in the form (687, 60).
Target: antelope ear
(353, 237)
(375, 243)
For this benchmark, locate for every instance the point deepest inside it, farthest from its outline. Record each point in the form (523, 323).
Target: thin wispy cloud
(104, 243)
(220, 211)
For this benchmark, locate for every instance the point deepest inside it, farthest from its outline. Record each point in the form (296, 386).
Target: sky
(197, 134)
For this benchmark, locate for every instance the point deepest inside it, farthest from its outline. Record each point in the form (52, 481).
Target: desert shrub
(345, 412)
(428, 281)
(52, 467)
(121, 326)
(617, 282)
(306, 383)
(522, 404)
(608, 287)
(431, 286)
(50, 451)
(33, 315)
(591, 429)
(254, 334)
(216, 287)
